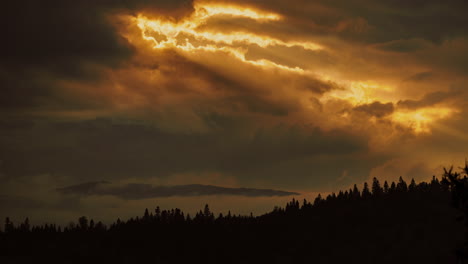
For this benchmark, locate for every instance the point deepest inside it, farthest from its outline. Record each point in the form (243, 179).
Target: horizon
(220, 207)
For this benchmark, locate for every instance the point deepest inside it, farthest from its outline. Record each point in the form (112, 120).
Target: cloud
(88, 188)
(387, 20)
(421, 76)
(118, 149)
(410, 45)
(19, 202)
(429, 99)
(52, 41)
(135, 191)
(376, 109)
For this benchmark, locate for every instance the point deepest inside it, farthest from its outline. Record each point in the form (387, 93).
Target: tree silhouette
(401, 186)
(25, 226)
(356, 194)
(393, 188)
(376, 189)
(386, 188)
(365, 191)
(419, 223)
(8, 225)
(318, 200)
(83, 223)
(457, 183)
(146, 216)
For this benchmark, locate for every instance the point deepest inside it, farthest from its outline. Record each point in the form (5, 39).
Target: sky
(108, 107)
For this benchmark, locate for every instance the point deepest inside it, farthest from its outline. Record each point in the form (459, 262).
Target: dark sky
(108, 107)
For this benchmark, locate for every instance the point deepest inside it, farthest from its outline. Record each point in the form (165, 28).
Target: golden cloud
(191, 39)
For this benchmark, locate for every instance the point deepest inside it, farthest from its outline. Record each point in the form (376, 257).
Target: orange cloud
(187, 36)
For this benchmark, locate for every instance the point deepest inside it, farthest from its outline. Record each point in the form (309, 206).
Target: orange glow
(208, 10)
(186, 35)
(189, 37)
(358, 93)
(420, 120)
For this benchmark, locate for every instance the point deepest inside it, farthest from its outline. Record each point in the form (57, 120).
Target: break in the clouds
(302, 96)
(135, 191)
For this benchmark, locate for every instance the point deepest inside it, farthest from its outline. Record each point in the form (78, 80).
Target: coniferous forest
(389, 222)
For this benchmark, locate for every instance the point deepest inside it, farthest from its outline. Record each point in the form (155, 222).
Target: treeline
(177, 216)
(395, 222)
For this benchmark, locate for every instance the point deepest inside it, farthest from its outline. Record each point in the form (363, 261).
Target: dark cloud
(429, 99)
(60, 35)
(422, 76)
(410, 45)
(19, 202)
(144, 191)
(120, 149)
(259, 105)
(376, 109)
(373, 21)
(55, 31)
(87, 188)
(52, 40)
(432, 20)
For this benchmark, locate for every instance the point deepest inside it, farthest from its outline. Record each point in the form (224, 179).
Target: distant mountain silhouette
(381, 223)
(135, 191)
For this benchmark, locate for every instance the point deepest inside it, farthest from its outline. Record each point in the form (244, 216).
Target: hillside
(395, 223)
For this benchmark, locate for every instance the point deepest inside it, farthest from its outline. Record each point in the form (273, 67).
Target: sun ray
(189, 36)
(204, 11)
(180, 35)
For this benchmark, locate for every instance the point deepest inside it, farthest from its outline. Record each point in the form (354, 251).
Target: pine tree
(435, 184)
(157, 212)
(385, 187)
(376, 189)
(434, 181)
(356, 194)
(83, 222)
(9, 227)
(146, 215)
(412, 186)
(206, 211)
(365, 191)
(26, 226)
(306, 204)
(340, 195)
(318, 200)
(402, 186)
(207, 214)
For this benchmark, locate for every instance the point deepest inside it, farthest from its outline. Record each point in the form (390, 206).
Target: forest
(393, 222)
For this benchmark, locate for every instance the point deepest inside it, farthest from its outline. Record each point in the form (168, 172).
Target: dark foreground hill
(389, 224)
